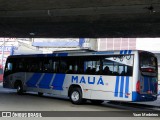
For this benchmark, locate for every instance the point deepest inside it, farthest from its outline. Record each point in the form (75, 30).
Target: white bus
(124, 75)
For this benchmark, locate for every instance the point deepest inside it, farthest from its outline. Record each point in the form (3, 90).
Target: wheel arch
(74, 86)
(17, 82)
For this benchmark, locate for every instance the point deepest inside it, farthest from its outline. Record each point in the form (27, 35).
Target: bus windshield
(148, 62)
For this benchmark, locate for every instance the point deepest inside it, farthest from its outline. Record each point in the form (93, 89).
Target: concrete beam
(80, 18)
(19, 5)
(110, 10)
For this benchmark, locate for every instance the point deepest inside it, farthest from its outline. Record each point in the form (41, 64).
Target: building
(49, 45)
(14, 46)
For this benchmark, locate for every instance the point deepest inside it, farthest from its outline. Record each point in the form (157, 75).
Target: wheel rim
(18, 88)
(75, 96)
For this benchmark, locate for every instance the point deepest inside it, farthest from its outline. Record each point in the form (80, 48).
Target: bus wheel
(40, 94)
(96, 102)
(19, 89)
(76, 96)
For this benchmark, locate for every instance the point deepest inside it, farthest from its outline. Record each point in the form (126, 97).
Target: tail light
(138, 87)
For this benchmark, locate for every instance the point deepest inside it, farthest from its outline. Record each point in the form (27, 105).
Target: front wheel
(40, 94)
(19, 89)
(76, 96)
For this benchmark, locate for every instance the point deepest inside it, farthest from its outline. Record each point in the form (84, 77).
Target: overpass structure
(79, 18)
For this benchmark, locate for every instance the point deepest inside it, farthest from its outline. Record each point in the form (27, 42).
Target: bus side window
(88, 70)
(90, 66)
(106, 71)
(129, 71)
(70, 70)
(63, 66)
(55, 66)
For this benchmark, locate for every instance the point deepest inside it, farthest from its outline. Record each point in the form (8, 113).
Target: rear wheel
(76, 96)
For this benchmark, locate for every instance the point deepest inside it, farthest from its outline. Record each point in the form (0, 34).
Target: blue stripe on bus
(39, 55)
(45, 82)
(62, 54)
(121, 52)
(33, 80)
(127, 86)
(104, 52)
(51, 55)
(121, 86)
(129, 51)
(125, 52)
(58, 82)
(116, 86)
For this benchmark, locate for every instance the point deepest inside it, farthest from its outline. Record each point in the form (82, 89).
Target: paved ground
(155, 103)
(10, 101)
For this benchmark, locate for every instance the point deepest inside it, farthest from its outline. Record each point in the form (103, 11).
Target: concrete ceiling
(79, 18)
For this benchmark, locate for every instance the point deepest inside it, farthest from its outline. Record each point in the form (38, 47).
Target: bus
(1, 73)
(125, 75)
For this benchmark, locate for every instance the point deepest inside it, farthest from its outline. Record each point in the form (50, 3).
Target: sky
(149, 44)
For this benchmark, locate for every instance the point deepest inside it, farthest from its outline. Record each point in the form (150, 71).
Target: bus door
(148, 83)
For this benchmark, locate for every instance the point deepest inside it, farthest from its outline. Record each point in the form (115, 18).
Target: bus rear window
(148, 62)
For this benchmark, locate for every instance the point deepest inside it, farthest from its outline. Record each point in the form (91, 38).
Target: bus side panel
(9, 80)
(117, 88)
(93, 86)
(102, 87)
(45, 82)
(32, 79)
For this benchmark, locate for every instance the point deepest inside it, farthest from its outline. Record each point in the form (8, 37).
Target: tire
(19, 89)
(96, 102)
(76, 96)
(40, 94)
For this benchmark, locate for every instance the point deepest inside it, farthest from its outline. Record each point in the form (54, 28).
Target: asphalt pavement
(10, 101)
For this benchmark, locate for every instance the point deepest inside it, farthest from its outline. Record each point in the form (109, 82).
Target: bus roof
(79, 53)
